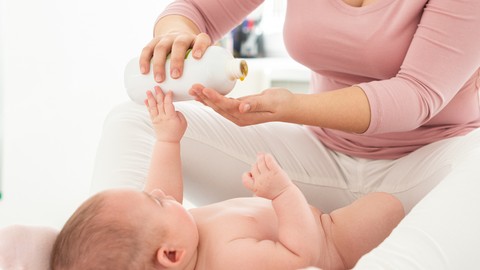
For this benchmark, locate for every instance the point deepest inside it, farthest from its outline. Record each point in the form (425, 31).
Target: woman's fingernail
(197, 54)
(246, 107)
(143, 69)
(175, 73)
(158, 78)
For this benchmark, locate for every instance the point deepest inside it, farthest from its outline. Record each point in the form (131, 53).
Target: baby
(277, 229)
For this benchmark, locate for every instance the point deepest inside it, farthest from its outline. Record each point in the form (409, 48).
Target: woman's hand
(272, 104)
(174, 35)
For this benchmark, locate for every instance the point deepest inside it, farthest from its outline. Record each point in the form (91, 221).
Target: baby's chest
(220, 230)
(240, 219)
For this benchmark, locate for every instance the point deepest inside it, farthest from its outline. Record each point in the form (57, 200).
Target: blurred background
(61, 72)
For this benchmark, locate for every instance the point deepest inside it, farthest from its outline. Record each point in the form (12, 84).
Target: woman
(394, 101)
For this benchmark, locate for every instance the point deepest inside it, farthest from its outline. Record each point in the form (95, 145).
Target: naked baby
(276, 229)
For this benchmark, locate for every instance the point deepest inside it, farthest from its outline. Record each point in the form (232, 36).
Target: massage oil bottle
(217, 69)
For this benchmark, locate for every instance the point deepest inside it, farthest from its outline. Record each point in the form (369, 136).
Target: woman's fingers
(200, 44)
(146, 55)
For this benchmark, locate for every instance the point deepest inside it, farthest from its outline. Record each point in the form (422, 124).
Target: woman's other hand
(174, 35)
(270, 105)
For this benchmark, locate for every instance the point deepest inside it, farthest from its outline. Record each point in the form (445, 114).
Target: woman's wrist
(291, 110)
(167, 143)
(175, 23)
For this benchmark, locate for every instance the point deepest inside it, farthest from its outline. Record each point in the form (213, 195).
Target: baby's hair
(96, 238)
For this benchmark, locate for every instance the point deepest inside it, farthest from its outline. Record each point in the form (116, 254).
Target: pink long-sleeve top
(416, 60)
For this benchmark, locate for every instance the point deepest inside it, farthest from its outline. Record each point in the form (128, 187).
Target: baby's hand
(169, 125)
(266, 178)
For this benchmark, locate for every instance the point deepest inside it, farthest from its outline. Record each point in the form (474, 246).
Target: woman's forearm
(175, 23)
(345, 109)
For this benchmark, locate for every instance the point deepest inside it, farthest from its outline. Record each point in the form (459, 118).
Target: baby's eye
(159, 201)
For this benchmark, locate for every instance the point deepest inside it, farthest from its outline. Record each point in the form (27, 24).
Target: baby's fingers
(168, 104)
(248, 181)
(182, 118)
(151, 104)
(261, 163)
(160, 97)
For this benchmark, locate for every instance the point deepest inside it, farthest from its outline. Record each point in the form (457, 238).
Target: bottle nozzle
(238, 69)
(244, 69)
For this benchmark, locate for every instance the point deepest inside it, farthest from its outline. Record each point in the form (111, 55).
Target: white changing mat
(26, 247)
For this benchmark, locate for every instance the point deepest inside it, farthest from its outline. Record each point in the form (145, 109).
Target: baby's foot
(266, 179)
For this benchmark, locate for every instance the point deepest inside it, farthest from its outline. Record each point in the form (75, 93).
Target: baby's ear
(170, 257)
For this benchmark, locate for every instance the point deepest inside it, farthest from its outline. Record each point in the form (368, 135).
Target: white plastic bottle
(217, 69)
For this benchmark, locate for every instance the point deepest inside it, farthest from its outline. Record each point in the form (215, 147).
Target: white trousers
(215, 152)
(441, 232)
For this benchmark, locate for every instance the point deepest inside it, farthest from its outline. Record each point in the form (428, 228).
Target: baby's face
(165, 221)
(153, 206)
(165, 211)
(168, 212)
(156, 210)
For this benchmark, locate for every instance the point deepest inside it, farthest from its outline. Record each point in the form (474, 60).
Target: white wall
(63, 66)
(1, 96)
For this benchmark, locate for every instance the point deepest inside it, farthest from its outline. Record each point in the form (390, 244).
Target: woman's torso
(347, 45)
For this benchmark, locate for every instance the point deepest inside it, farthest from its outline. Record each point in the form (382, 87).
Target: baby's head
(126, 229)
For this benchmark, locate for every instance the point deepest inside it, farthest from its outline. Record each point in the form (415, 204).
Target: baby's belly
(242, 218)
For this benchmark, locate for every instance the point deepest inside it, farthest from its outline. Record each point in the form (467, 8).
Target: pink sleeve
(443, 55)
(214, 17)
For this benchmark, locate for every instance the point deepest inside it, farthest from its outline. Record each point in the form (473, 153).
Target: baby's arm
(297, 227)
(169, 125)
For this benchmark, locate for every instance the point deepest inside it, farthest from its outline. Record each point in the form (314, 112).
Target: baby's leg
(266, 178)
(364, 224)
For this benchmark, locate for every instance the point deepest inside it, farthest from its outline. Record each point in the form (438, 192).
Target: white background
(62, 63)
(61, 72)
